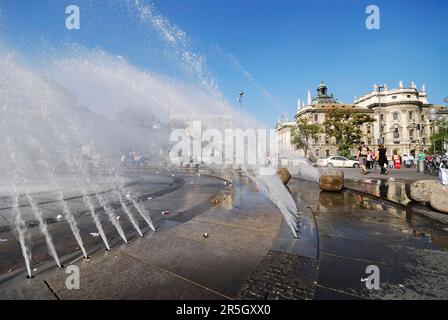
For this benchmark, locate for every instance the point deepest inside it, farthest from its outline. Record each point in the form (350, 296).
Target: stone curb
(439, 217)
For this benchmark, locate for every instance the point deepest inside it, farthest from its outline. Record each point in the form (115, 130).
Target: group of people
(368, 158)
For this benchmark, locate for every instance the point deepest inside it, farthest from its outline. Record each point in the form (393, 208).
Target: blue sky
(288, 46)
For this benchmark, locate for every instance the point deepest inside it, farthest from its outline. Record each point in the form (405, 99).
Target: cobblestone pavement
(281, 276)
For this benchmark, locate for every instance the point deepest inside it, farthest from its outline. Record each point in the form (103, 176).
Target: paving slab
(30, 290)
(199, 261)
(241, 239)
(120, 277)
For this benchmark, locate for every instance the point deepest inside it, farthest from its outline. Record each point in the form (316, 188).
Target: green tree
(345, 127)
(301, 137)
(439, 138)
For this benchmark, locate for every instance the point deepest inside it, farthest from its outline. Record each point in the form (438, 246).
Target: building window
(395, 116)
(394, 97)
(423, 118)
(369, 129)
(409, 97)
(411, 134)
(382, 117)
(316, 140)
(317, 152)
(411, 116)
(327, 153)
(396, 134)
(369, 141)
(382, 128)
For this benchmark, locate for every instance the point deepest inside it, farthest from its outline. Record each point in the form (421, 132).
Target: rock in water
(332, 181)
(420, 190)
(284, 175)
(438, 198)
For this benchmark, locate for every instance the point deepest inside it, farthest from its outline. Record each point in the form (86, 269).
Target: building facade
(283, 130)
(403, 119)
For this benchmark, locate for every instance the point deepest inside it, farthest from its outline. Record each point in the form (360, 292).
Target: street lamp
(380, 139)
(240, 99)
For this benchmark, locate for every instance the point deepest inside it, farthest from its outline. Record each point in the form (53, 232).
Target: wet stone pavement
(177, 261)
(356, 230)
(155, 192)
(248, 251)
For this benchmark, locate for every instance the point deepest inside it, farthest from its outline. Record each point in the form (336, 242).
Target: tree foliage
(439, 138)
(301, 138)
(345, 127)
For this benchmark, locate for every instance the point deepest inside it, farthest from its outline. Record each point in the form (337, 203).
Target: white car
(337, 161)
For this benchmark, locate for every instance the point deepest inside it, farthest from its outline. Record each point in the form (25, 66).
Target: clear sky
(287, 46)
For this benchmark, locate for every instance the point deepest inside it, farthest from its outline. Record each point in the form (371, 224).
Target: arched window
(395, 116)
(396, 134)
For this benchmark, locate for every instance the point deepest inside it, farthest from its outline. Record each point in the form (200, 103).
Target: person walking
(374, 159)
(382, 159)
(363, 151)
(369, 160)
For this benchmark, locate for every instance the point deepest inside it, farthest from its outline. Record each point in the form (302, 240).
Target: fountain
(79, 99)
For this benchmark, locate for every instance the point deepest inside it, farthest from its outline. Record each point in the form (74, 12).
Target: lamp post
(380, 139)
(240, 99)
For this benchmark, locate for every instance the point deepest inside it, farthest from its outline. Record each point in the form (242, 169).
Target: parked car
(337, 161)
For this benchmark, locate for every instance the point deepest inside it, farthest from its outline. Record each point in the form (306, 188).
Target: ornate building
(402, 119)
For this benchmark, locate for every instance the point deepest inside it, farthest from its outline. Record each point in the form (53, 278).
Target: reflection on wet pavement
(357, 230)
(387, 189)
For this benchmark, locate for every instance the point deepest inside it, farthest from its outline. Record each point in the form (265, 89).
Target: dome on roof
(323, 97)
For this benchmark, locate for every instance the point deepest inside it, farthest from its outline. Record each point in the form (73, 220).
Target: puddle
(353, 210)
(387, 189)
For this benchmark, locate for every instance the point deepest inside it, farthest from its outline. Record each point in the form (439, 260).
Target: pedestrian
(421, 156)
(374, 159)
(363, 151)
(382, 159)
(369, 160)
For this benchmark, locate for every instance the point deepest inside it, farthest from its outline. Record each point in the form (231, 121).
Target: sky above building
(274, 50)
